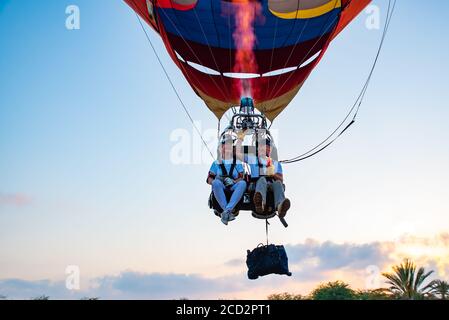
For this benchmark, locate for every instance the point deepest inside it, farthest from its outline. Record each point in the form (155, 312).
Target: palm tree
(439, 288)
(406, 283)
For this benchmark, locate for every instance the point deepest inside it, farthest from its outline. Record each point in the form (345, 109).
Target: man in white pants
(270, 176)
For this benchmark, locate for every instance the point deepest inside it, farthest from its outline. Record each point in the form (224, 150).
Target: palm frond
(407, 281)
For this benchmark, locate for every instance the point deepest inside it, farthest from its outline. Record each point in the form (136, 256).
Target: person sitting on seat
(268, 173)
(227, 174)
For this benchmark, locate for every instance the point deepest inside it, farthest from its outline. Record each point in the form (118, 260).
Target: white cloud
(312, 262)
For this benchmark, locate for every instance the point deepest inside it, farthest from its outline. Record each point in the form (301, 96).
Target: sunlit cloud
(433, 251)
(329, 255)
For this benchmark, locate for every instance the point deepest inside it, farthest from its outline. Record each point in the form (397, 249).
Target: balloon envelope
(267, 47)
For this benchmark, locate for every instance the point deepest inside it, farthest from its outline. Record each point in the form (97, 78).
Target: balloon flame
(246, 12)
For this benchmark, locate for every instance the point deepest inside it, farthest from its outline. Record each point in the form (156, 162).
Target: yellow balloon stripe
(309, 13)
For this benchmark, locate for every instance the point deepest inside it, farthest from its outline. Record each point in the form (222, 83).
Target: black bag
(264, 260)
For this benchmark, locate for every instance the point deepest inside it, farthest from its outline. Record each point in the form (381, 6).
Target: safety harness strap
(224, 172)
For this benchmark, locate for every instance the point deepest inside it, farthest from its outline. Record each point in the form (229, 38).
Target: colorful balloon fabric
(262, 48)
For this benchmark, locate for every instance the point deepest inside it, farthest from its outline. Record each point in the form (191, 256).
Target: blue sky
(85, 172)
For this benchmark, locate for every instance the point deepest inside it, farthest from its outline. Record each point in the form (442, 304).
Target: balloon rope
(266, 230)
(358, 103)
(173, 87)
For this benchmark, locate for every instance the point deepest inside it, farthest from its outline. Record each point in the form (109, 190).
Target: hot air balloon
(283, 41)
(247, 53)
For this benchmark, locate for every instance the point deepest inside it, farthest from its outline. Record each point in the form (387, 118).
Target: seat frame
(246, 203)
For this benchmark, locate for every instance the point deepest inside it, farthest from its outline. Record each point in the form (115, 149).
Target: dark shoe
(283, 208)
(225, 217)
(258, 202)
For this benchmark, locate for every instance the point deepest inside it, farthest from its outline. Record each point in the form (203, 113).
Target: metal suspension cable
(173, 87)
(358, 102)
